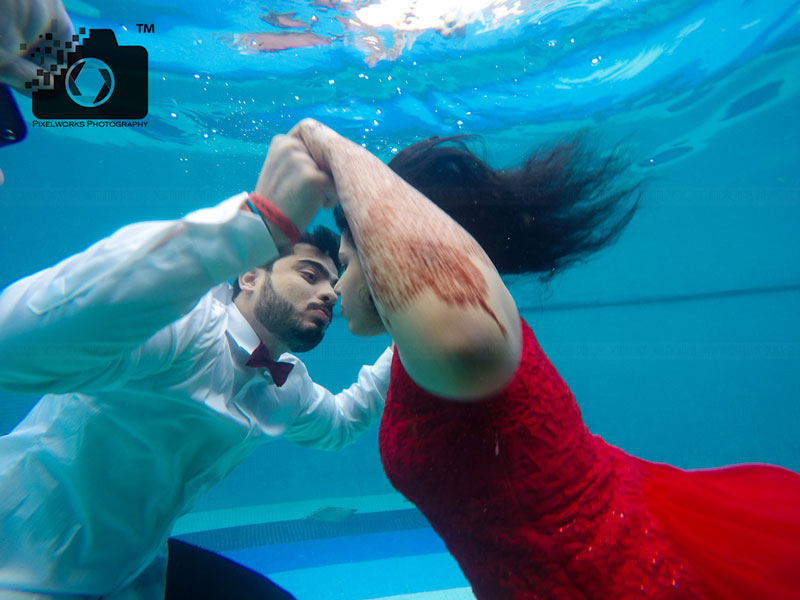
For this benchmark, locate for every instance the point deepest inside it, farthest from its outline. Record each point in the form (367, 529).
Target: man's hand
(21, 22)
(292, 182)
(318, 140)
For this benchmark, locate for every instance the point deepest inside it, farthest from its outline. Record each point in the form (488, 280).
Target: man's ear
(248, 281)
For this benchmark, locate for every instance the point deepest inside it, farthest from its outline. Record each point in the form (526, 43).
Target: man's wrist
(279, 225)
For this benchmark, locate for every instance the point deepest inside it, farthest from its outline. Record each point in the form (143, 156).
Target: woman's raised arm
(454, 322)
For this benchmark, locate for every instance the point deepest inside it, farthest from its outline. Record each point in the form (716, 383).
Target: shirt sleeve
(328, 421)
(65, 327)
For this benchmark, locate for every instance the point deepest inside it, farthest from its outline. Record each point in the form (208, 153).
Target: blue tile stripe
(282, 532)
(376, 579)
(312, 554)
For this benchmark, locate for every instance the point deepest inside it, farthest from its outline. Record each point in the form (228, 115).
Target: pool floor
(357, 548)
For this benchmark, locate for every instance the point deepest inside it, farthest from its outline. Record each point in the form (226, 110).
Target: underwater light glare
(409, 15)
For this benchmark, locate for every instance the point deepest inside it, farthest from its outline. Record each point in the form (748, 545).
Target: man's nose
(328, 295)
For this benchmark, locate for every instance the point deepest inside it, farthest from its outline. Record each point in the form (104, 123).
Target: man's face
(296, 299)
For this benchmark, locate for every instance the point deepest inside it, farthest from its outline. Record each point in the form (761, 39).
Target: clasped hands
(292, 180)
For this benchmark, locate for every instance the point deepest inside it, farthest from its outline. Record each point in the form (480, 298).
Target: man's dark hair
(322, 238)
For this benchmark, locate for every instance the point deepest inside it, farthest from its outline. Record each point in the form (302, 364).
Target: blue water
(681, 342)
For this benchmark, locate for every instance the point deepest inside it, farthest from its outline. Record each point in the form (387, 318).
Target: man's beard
(282, 319)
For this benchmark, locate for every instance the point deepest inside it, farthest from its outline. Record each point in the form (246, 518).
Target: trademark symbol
(146, 28)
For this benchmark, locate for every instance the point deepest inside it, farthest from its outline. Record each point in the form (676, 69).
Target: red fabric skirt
(738, 527)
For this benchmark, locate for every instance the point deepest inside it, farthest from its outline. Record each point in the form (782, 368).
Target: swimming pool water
(681, 342)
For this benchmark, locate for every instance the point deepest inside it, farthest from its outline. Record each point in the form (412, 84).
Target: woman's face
(358, 308)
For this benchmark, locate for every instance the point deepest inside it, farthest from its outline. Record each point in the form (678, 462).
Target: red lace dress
(532, 505)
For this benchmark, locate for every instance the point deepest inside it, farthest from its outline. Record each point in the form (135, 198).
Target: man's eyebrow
(319, 267)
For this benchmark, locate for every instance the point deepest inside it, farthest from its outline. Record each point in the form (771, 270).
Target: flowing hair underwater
(557, 208)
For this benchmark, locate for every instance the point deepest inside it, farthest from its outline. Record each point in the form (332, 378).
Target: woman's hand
(22, 22)
(317, 138)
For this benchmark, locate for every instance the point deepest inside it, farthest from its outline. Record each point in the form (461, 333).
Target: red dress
(532, 505)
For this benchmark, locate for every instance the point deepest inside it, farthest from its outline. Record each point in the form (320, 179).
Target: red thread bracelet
(269, 212)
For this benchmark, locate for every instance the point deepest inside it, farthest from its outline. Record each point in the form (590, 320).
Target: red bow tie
(279, 370)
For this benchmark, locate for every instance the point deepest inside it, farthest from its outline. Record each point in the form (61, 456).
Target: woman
(479, 430)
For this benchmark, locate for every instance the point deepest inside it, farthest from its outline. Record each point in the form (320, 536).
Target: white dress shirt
(148, 402)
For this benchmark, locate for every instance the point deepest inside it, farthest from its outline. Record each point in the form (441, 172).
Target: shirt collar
(240, 330)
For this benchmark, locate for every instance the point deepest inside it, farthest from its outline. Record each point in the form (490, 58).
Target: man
(158, 383)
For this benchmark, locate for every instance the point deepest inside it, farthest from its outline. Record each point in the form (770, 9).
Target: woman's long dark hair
(557, 208)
